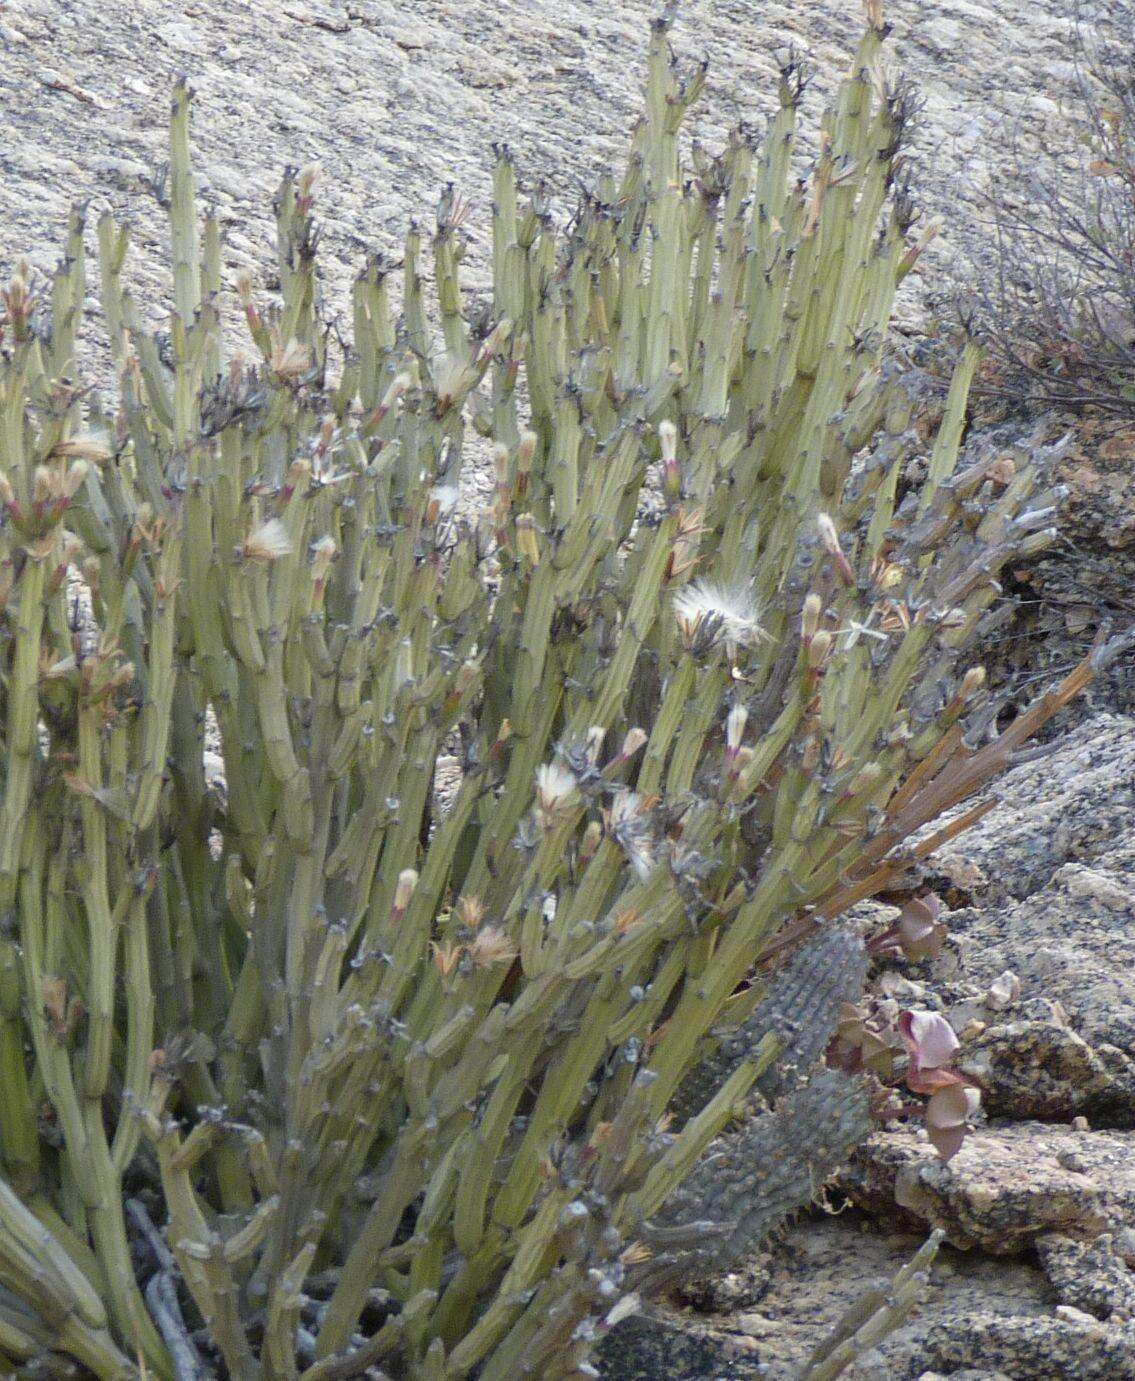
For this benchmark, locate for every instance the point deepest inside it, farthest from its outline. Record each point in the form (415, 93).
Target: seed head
(973, 682)
(268, 543)
(705, 610)
(634, 740)
(630, 825)
(491, 946)
(290, 359)
(555, 792)
(307, 180)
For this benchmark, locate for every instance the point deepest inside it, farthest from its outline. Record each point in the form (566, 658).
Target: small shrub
(1058, 308)
(389, 1060)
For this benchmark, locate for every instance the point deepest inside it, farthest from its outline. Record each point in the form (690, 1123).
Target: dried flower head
(973, 683)
(85, 447)
(629, 823)
(556, 792)
(446, 957)
(322, 554)
(407, 881)
(633, 740)
(307, 180)
(269, 542)
(290, 359)
(592, 838)
(708, 614)
(491, 946)
(441, 502)
(829, 539)
(470, 911)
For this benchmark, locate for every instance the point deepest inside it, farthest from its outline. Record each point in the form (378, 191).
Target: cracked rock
(1009, 1184)
(1092, 1277)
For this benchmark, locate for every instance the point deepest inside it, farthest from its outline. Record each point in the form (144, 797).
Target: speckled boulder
(1043, 1069)
(1066, 1344)
(1090, 1276)
(1073, 806)
(1071, 943)
(1009, 1184)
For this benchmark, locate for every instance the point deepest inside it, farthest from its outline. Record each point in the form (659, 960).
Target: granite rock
(1010, 1184)
(1076, 805)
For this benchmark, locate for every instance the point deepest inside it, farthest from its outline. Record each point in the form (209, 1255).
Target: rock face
(1009, 1185)
(1090, 574)
(394, 100)
(1052, 874)
(1075, 807)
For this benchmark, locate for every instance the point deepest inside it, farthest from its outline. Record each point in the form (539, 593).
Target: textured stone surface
(393, 100)
(1072, 947)
(1033, 1068)
(818, 1271)
(1009, 1184)
(1051, 873)
(1075, 806)
(1091, 1276)
(1068, 1344)
(1043, 1069)
(646, 1347)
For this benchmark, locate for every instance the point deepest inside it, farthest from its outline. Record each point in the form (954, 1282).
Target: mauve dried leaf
(929, 1039)
(948, 1115)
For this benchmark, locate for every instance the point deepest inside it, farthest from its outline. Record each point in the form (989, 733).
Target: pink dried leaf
(929, 1039)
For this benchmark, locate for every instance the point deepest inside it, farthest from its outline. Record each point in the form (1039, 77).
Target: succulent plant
(386, 1053)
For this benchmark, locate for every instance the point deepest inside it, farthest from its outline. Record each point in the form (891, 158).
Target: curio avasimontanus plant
(419, 903)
